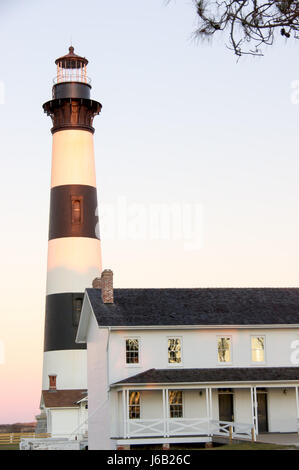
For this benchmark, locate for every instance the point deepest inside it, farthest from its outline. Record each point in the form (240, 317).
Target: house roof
(62, 398)
(229, 374)
(200, 306)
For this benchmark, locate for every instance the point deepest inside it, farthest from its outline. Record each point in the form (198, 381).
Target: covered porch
(197, 411)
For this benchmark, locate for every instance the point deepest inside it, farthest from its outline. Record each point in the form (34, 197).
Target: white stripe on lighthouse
(69, 366)
(73, 262)
(73, 158)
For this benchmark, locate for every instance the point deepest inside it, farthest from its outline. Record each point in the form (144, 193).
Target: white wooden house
(181, 365)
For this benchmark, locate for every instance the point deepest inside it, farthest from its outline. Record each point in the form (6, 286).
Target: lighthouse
(74, 251)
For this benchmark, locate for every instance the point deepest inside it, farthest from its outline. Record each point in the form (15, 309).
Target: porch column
(207, 403)
(297, 407)
(127, 414)
(209, 409)
(211, 404)
(124, 412)
(167, 412)
(164, 411)
(253, 415)
(256, 411)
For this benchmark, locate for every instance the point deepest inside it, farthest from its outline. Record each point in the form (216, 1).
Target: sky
(197, 152)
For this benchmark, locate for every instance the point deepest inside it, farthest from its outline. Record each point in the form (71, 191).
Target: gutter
(165, 384)
(199, 327)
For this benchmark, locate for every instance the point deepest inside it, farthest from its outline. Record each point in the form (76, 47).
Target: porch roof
(230, 374)
(197, 306)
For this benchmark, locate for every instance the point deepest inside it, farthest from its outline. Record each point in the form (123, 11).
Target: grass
(234, 446)
(9, 446)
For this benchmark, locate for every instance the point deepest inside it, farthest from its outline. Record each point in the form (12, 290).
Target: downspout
(107, 358)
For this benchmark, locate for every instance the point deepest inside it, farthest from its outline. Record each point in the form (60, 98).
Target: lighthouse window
(77, 307)
(77, 210)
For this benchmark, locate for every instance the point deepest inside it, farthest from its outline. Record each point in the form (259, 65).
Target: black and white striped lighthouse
(74, 252)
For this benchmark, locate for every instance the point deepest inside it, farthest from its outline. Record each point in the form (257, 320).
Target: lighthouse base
(41, 423)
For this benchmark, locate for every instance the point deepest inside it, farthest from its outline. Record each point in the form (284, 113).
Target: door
(262, 412)
(226, 406)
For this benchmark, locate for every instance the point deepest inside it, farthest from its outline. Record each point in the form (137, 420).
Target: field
(9, 447)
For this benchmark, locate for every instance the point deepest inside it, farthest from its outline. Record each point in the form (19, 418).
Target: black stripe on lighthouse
(73, 212)
(61, 322)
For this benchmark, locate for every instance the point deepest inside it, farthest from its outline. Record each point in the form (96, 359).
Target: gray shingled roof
(227, 374)
(202, 306)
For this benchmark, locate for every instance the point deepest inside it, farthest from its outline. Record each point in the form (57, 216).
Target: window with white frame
(134, 405)
(258, 348)
(132, 351)
(174, 351)
(224, 349)
(175, 398)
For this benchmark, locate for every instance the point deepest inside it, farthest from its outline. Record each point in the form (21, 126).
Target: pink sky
(181, 123)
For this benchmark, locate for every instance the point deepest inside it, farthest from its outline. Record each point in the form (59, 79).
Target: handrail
(74, 433)
(72, 78)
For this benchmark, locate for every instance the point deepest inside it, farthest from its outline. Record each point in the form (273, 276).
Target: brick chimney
(107, 286)
(97, 283)
(52, 382)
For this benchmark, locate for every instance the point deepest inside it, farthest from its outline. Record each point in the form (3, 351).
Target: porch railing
(187, 427)
(232, 429)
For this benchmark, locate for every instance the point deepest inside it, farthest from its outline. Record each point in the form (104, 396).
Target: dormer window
(77, 210)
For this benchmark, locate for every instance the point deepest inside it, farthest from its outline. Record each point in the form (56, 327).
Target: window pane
(134, 405)
(174, 351)
(258, 349)
(132, 351)
(175, 398)
(224, 350)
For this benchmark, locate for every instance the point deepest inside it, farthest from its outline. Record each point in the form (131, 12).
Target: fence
(15, 437)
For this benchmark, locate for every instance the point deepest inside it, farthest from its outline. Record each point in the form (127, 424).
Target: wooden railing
(187, 427)
(232, 430)
(15, 437)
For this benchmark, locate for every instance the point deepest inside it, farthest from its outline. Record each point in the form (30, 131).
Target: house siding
(200, 349)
